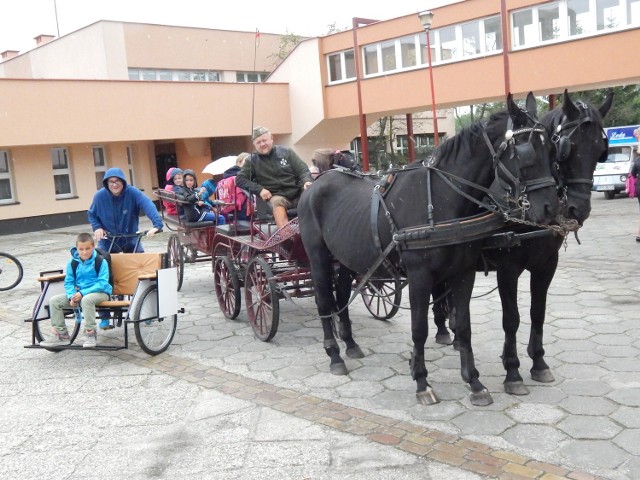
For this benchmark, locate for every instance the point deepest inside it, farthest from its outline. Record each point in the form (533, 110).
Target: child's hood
(193, 174)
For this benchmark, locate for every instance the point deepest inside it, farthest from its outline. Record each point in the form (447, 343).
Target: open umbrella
(219, 166)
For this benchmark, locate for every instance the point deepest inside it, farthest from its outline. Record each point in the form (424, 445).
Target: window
(370, 53)
(149, 74)
(408, 52)
(6, 182)
(549, 22)
(578, 17)
(250, 77)
(608, 14)
(470, 39)
(61, 172)
(448, 44)
(523, 32)
(100, 164)
(633, 12)
(341, 66)
(388, 51)
(423, 47)
(492, 34)
(132, 174)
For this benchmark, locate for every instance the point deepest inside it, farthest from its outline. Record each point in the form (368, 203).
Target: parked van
(610, 176)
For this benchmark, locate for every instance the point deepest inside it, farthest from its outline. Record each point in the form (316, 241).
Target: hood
(114, 172)
(172, 172)
(188, 171)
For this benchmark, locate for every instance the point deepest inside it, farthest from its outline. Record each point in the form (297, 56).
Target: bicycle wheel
(43, 330)
(154, 335)
(175, 257)
(261, 299)
(227, 285)
(10, 272)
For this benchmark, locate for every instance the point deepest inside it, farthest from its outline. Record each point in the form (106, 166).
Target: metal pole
(55, 9)
(505, 49)
(436, 134)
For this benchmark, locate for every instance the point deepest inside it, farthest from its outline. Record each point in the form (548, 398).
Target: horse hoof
(481, 398)
(444, 339)
(338, 368)
(544, 376)
(516, 388)
(355, 352)
(428, 397)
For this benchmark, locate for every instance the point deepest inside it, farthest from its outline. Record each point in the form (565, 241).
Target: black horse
(422, 222)
(576, 129)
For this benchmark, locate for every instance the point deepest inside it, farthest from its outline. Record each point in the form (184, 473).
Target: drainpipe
(505, 48)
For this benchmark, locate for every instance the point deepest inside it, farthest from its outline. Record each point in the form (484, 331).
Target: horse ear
(532, 105)
(568, 107)
(606, 105)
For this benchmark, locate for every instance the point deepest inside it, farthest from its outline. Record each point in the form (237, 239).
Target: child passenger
(197, 210)
(174, 178)
(84, 289)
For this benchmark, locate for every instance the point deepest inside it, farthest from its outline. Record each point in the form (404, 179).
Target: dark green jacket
(282, 172)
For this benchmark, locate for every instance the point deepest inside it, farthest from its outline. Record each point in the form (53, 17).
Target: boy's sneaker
(58, 339)
(90, 339)
(105, 324)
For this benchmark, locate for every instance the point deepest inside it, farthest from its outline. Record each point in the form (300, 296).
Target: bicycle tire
(11, 272)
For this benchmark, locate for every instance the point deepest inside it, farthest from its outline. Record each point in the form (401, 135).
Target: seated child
(84, 289)
(174, 177)
(197, 210)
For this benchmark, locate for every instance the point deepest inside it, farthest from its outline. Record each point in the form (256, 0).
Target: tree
(626, 104)
(288, 42)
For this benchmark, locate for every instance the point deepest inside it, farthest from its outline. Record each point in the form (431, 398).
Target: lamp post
(426, 18)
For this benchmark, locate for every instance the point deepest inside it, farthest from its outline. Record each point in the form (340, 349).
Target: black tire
(610, 194)
(175, 257)
(261, 299)
(11, 272)
(42, 330)
(382, 298)
(154, 335)
(227, 285)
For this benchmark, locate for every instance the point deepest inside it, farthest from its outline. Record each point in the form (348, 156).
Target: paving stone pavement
(222, 404)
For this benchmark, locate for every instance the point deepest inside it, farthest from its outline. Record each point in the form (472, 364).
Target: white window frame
(62, 171)
(130, 163)
(343, 60)
(100, 155)
(7, 175)
(243, 77)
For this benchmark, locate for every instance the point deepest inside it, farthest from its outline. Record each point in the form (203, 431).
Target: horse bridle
(564, 146)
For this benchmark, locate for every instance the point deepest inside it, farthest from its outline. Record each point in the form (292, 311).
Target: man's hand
(99, 234)
(152, 232)
(265, 194)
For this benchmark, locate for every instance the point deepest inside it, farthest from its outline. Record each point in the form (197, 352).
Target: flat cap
(258, 132)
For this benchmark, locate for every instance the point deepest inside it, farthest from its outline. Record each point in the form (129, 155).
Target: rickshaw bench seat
(128, 268)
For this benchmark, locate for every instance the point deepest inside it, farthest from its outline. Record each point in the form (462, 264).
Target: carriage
(144, 297)
(189, 241)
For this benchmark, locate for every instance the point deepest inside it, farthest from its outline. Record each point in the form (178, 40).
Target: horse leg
(540, 282)
(507, 275)
(440, 313)
(321, 266)
(343, 294)
(419, 301)
(461, 290)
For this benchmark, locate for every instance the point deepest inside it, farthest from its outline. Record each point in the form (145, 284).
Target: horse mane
(462, 144)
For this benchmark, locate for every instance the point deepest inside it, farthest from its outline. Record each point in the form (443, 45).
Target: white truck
(610, 176)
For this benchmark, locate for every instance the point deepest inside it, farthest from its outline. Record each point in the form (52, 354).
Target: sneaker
(90, 339)
(58, 339)
(105, 324)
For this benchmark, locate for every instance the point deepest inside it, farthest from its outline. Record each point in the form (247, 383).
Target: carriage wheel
(175, 257)
(382, 298)
(10, 272)
(190, 254)
(227, 285)
(42, 330)
(261, 299)
(154, 335)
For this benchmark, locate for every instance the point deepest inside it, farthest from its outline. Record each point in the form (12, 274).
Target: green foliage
(287, 43)
(626, 104)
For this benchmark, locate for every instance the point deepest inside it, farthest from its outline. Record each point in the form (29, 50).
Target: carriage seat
(235, 227)
(265, 214)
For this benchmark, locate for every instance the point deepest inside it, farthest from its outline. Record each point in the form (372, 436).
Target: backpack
(226, 191)
(101, 255)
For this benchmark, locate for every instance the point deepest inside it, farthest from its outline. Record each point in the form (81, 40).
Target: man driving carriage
(275, 173)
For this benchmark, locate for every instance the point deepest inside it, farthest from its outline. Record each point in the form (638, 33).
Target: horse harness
(457, 230)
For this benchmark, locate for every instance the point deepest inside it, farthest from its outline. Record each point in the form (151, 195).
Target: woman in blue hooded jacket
(116, 209)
